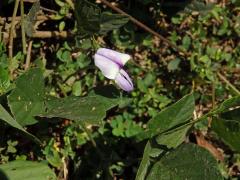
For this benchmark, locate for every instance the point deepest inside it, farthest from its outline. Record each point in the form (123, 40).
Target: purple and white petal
(117, 57)
(109, 68)
(123, 81)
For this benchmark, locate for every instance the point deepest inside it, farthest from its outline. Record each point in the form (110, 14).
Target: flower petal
(109, 68)
(117, 57)
(123, 81)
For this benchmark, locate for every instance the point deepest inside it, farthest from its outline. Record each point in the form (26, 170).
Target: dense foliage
(62, 119)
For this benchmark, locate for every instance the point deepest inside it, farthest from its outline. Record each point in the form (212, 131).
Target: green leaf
(64, 55)
(54, 158)
(83, 60)
(88, 108)
(186, 162)
(149, 79)
(27, 99)
(141, 85)
(227, 127)
(145, 163)
(52, 154)
(88, 18)
(60, 3)
(77, 88)
(173, 138)
(186, 42)
(30, 19)
(4, 80)
(173, 65)
(26, 170)
(111, 22)
(171, 117)
(91, 108)
(124, 126)
(6, 117)
(198, 6)
(61, 26)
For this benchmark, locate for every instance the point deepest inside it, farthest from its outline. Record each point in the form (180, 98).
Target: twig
(1, 34)
(49, 10)
(10, 46)
(228, 83)
(50, 34)
(18, 18)
(65, 168)
(201, 141)
(23, 28)
(46, 34)
(3, 20)
(28, 58)
(146, 28)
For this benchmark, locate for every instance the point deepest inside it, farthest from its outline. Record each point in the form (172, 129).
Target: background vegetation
(62, 119)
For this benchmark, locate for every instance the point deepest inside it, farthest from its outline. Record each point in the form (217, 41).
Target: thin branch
(51, 34)
(65, 168)
(10, 46)
(28, 58)
(1, 34)
(49, 10)
(3, 20)
(228, 83)
(18, 18)
(146, 28)
(45, 34)
(23, 28)
(201, 141)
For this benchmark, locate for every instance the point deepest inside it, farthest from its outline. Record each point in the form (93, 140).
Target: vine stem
(228, 83)
(146, 28)
(23, 28)
(10, 46)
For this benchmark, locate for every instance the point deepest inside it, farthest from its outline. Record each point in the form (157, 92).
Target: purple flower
(111, 63)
